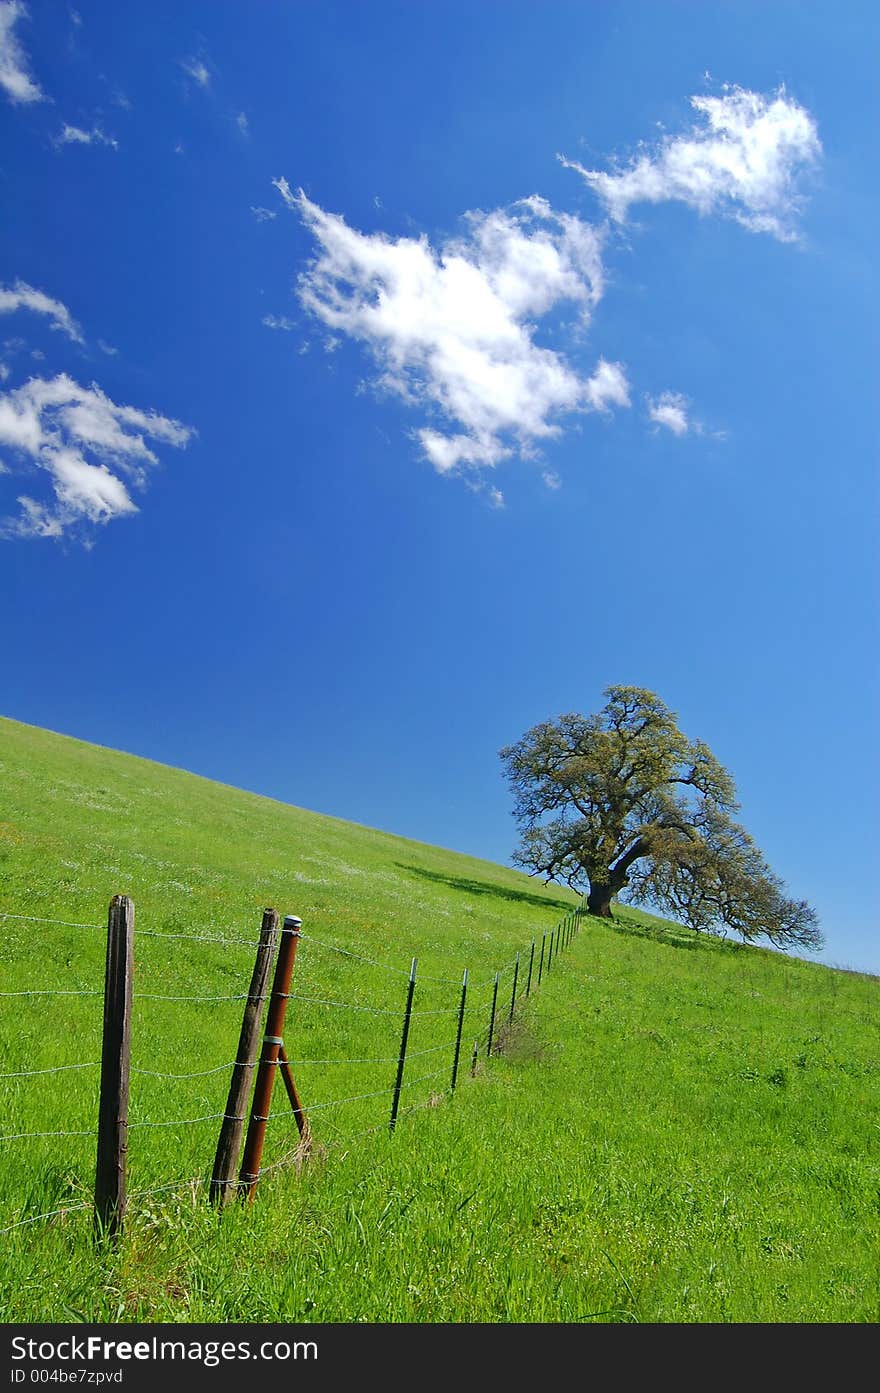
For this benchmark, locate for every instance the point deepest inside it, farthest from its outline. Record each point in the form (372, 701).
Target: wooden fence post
(229, 1144)
(110, 1169)
(401, 1061)
(272, 1042)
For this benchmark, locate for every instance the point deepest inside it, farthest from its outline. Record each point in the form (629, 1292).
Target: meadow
(673, 1128)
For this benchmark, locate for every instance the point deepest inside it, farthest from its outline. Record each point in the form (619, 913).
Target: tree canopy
(623, 802)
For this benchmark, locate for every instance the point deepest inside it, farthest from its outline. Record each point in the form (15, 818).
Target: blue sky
(381, 380)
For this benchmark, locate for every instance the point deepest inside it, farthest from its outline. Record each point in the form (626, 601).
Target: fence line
(561, 936)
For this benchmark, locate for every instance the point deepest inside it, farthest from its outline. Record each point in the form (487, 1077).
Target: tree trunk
(599, 900)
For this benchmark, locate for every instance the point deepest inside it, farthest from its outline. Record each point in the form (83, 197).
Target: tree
(623, 802)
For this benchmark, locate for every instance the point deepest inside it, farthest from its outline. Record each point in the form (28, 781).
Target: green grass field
(675, 1129)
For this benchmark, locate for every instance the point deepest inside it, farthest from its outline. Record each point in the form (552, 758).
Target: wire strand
(56, 1069)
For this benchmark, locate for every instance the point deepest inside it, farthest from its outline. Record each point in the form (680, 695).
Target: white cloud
(670, 410)
(242, 122)
(15, 79)
(454, 328)
(21, 296)
(196, 69)
(274, 321)
(263, 214)
(741, 158)
(53, 424)
(107, 348)
(75, 135)
(608, 386)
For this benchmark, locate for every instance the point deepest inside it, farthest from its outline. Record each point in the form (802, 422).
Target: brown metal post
(229, 1144)
(300, 1118)
(272, 1042)
(110, 1170)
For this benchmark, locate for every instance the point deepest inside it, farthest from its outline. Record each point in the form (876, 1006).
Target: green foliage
(622, 801)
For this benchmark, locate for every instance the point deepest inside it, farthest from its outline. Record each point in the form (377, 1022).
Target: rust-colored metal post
(272, 1042)
(464, 983)
(110, 1169)
(223, 1178)
(286, 1072)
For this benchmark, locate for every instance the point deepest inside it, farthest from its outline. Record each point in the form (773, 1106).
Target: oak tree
(622, 802)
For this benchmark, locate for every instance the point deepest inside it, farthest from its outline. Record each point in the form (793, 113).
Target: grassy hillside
(676, 1129)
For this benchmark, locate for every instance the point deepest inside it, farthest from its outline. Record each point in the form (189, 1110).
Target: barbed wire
(50, 1214)
(373, 962)
(35, 919)
(386, 1059)
(181, 1121)
(19, 1136)
(55, 991)
(157, 996)
(56, 1069)
(198, 1074)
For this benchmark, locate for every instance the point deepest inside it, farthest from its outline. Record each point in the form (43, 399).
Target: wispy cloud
(670, 410)
(75, 135)
(742, 158)
(276, 321)
(92, 451)
(21, 296)
(196, 69)
(15, 79)
(242, 122)
(607, 387)
(107, 348)
(453, 329)
(263, 214)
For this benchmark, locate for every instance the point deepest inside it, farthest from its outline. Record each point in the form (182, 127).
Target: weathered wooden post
(272, 1042)
(223, 1178)
(110, 1169)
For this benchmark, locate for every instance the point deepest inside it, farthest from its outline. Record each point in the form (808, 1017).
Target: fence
(473, 1015)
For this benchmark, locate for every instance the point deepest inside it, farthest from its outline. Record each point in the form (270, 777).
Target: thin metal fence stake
(531, 965)
(492, 1016)
(464, 985)
(513, 993)
(398, 1083)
